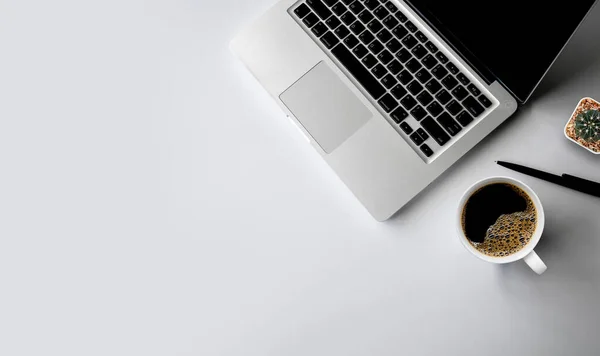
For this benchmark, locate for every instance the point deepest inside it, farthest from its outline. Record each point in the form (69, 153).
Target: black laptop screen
(517, 40)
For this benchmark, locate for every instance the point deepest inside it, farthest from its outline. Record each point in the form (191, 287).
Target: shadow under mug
(526, 253)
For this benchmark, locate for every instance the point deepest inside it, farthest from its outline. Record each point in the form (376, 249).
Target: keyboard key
(358, 71)
(310, 20)
(333, 22)
(347, 2)
(429, 61)
(441, 57)
(357, 27)
(319, 8)
(399, 91)
(473, 106)
(329, 39)
(405, 77)
(419, 51)
(416, 138)
(360, 51)
(452, 68)
(433, 86)
(400, 31)
(390, 22)
(418, 113)
(351, 41)
(463, 79)
(394, 67)
(319, 29)
(454, 107)
(410, 26)
(431, 47)
(422, 133)
(379, 71)
(398, 115)
(342, 32)
(389, 81)
(423, 76)
(403, 55)
(464, 118)
(375, 26)
(376, 47)
(391, 7)
(406, 128)
(413, 65)
(426, 150)
(443, 97)
(369, 61)
(338, 9)
(439, 71)
(435, 109)
(449, 82)
(408, 102)
(460, 93)
(365, 17)
(329, 2)
(414, 87)
(356, 7)
(366, 37)
(371, 4)
(381, 12)
(449, 124)
(384, 35)
(388, 103)
(385, 57)
(473, 89)
(409, 41)
(393, 45)
(421, 36)
(425, 98)
(485, 101)
(435, 131)
(348, 18)
(301, 10)
(401, 17)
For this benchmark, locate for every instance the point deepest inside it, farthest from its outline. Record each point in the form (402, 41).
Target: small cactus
(587, 125)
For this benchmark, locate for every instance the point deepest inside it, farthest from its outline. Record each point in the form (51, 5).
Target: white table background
(155, 201)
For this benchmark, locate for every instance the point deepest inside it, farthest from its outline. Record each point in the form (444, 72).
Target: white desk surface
(155, 201)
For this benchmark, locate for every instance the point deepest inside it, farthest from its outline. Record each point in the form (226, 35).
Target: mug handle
(535, 262)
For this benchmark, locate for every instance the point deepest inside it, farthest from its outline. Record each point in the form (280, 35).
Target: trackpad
(326, 107)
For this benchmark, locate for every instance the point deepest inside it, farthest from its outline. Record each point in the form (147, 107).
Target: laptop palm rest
(326, 107)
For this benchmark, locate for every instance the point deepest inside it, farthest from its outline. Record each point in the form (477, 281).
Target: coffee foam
(511, 232)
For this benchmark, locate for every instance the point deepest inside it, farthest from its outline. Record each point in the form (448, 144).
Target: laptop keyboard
(413, 82)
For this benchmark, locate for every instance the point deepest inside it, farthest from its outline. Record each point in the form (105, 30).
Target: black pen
(566, 180)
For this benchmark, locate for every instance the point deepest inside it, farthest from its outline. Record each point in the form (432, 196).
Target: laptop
(392, 93)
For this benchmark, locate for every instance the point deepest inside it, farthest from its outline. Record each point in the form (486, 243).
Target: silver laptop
(392, 93)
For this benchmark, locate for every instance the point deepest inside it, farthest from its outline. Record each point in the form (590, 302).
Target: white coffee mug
(526, 253)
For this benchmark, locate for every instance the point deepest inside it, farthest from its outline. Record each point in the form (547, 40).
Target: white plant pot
(572, 118)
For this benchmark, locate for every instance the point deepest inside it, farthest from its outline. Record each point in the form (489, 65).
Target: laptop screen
(517, 40)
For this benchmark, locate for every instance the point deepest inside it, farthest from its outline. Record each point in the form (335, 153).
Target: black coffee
(499, 219)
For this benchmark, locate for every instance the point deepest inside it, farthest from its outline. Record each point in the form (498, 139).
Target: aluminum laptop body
(362, 139)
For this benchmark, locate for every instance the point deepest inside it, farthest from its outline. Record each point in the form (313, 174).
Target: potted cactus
(584, 126)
